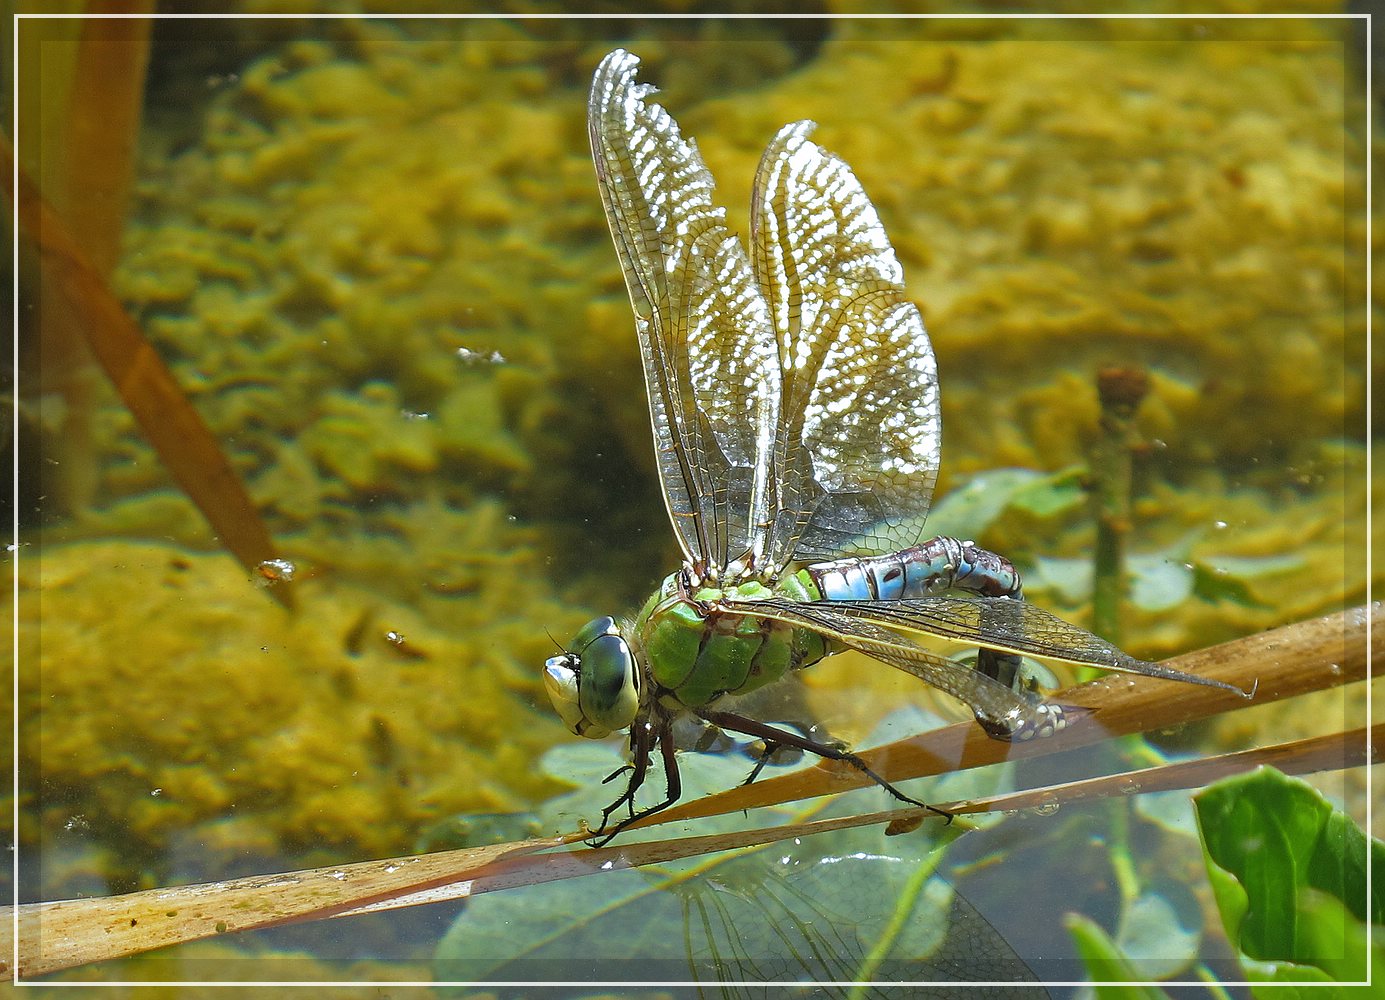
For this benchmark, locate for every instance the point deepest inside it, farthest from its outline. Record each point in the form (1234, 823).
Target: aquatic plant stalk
(86, 140)
(1120, 391)
(1292, 660)
(170, 422)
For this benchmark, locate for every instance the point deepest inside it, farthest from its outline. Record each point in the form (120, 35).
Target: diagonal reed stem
(169, 421)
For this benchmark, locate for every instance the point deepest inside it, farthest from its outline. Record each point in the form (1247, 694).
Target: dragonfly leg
(638, 768)
(769, 750)
(617, 773)
(749, 727)
(642, 744)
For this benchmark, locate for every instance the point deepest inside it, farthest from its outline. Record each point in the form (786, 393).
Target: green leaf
(1344, 847)
(1323, 915)
(1273, 845)
(967, 512)
(1272, 978)
(1214, 585)
(1105, 963)
(1056, 493)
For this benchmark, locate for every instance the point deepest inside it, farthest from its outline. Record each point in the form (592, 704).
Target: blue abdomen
(938, 564)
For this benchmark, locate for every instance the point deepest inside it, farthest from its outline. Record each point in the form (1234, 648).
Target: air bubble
(478, 358)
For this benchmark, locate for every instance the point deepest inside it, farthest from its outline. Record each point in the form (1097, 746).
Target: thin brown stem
(168, 419)
(1120, 390)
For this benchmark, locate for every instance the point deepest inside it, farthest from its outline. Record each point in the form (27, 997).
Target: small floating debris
(271, 572)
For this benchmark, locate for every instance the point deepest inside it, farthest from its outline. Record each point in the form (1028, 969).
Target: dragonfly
(793, 394)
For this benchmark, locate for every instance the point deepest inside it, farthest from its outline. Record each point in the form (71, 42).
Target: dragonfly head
(595, 685)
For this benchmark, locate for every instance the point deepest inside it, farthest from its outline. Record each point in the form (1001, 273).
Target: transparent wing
(989, 700)
(998, 623)
(855, 453)
(708, 350)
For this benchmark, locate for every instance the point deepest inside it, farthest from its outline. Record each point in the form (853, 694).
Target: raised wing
(1000, 709)
(709, 353)
(855, 452)
(1004, 624)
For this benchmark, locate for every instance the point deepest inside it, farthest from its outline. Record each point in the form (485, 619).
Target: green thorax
(695, 652)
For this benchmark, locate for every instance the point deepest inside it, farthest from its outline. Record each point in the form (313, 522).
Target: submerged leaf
(1069, 579)
(1158, 583)
(1212, 585)
(833, 907)
(1106, 964)
(1164, 578)
(967, 512)
(1249, 567)
(841, 906)
(1051, 494)
(1155, 940)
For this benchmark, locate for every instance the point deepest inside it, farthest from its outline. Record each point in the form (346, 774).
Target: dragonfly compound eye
(594, 688)
(607, 688)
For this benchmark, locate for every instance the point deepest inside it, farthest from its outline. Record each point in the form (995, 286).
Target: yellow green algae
(382, 273)
(179, 706)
